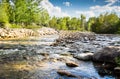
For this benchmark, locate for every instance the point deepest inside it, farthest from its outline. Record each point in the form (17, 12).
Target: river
(36, 58)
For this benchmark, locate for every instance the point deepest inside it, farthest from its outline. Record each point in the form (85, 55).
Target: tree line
(22, 13)
(29, 14)
(104, 23)
(67, 23)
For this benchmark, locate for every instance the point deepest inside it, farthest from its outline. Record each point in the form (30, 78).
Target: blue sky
(76, 4)
(74, 8)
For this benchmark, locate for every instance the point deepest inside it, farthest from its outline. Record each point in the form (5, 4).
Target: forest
(29, 14)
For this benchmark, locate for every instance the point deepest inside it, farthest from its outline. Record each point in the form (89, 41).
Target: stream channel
(36, 58)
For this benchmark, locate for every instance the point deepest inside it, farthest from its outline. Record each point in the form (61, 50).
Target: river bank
(10, 33)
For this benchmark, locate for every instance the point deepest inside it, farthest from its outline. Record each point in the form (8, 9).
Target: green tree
(23, 13)
(105, 23)
(90, 23)
(74, 24)
(83, 21)
(63, 23)
(44, 18)
(4, 17)
(118, 27)
(52, 22)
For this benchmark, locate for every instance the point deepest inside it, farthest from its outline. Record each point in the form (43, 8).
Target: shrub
(15, 26)
(117, 60)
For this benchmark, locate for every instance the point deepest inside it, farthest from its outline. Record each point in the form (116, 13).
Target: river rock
(65, 54)
(26, 57)
(65, 73)
(46, 31)
(70, 36)
(72, 64)
(107, 54)
(117, 70)
(44, 53)
(21, 33)
(84, 56)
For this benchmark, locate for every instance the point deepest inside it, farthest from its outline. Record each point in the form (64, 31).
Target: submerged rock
(65, 73)
(107, 54)
(72, 64)
(84, 56)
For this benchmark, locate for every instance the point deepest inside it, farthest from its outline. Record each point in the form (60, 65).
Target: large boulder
(107, 54)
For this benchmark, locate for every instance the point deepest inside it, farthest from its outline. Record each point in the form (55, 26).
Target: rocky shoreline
(21, 33)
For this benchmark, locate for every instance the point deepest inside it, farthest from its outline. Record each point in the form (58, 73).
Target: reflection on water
(45, 40)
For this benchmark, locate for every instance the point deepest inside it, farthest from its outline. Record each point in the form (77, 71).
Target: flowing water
(35, 58)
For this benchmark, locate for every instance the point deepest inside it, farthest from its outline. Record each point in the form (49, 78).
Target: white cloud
(92, 11)
(53, 10)
(67, 4)
(96, 10)
(111, 2)
(109, 7)
(106, 8)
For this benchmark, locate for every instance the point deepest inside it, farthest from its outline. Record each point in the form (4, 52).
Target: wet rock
(65, 73)
(54, 44)
(107, 54)
(54, 56)
(44, 54)
(65, 54)
(61, 59)
(86, 51)
(104, 68)
(69, 41)
(117, 70)
(84, 56)
(26, 57)
(72, 51)
(72, 64)
(108, 66)
(103, 72)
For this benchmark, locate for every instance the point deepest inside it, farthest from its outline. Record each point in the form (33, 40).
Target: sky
(74, 8)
